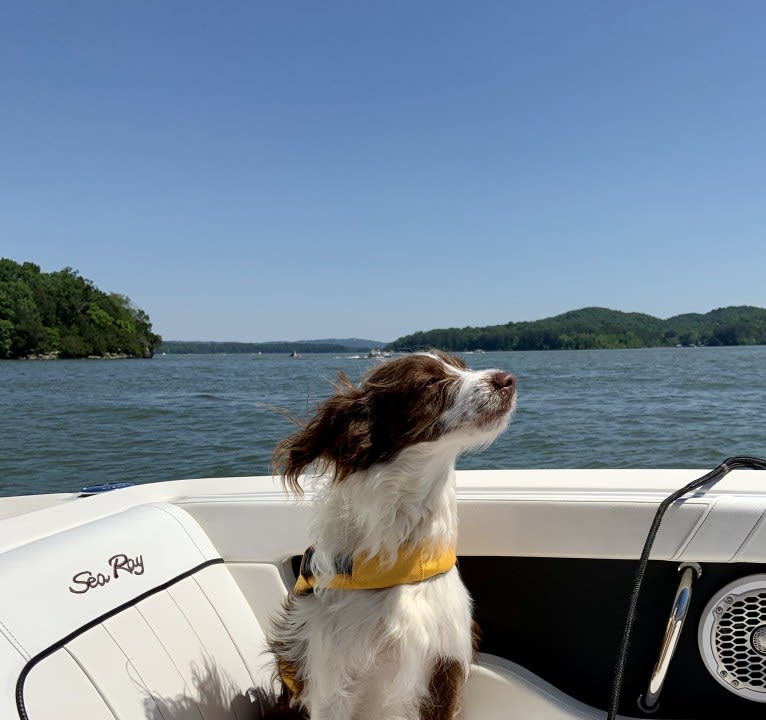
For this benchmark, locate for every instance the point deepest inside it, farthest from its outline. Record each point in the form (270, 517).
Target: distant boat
(295, 354)
(377, 353)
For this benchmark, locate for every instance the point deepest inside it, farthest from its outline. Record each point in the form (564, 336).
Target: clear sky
(289, 170)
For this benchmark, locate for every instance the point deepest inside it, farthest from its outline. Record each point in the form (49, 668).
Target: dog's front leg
(338, 708)
(445, 689)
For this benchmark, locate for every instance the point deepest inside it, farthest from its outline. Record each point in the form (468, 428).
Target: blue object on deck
(104, 487)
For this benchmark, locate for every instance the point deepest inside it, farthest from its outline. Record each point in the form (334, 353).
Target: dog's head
(419, 398)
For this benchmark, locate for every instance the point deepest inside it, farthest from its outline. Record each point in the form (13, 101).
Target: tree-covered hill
(601, 328)
(61, 314)
(329, 345)
(195, 347)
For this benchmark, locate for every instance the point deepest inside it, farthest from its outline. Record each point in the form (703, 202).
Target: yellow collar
(412, 565)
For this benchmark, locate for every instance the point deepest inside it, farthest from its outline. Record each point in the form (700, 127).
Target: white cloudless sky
(266, 171)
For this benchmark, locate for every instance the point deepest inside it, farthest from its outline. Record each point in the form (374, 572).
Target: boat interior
(153, 602)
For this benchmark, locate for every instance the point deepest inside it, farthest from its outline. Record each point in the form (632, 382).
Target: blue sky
(263, 171)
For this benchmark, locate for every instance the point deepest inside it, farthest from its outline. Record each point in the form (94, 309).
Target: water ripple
(67, 424)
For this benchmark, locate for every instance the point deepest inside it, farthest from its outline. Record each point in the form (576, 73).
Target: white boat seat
(133, 617)
(499, 689)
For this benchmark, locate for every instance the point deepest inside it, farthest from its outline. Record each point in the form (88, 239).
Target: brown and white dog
(379, 625)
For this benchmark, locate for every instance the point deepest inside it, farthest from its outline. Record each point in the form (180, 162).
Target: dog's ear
(336, 439)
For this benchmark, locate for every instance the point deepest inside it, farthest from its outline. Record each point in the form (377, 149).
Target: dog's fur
(387, 451)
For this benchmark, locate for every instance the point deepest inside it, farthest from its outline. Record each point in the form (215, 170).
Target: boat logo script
(119, 566)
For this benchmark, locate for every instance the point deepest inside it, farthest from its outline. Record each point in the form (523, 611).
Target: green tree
(63, 313)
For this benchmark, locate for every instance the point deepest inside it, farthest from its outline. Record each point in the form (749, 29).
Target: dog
(379, 625)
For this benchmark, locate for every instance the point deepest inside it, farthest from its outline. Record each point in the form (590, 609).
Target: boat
(153, 601)
(377, 353)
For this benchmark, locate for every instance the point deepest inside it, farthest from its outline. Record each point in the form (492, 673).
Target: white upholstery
(173, 639)
(499, 689)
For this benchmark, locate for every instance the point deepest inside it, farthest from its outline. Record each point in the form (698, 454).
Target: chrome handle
(689, 571)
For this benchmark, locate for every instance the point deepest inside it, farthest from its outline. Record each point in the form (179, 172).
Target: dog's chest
(426, 620)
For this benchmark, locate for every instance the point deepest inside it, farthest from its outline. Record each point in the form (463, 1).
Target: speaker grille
(732, 637)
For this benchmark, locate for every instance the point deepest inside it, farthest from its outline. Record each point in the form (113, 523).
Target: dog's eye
(431, 381)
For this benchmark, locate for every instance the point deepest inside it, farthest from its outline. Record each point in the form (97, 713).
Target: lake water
(67, 424)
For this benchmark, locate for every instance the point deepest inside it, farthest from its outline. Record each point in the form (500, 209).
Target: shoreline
(106, 356)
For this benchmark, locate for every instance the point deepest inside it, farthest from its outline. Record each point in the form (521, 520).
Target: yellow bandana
(412, 565)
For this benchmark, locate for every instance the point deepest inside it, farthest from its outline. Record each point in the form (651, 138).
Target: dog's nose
(503, 380)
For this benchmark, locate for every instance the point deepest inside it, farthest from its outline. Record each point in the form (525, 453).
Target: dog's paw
(267, 705)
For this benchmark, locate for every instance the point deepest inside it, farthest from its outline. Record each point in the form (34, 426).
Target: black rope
(733, 463)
